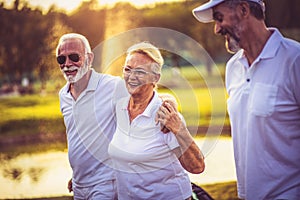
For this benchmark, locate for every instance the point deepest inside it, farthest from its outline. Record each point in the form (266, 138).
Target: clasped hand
(168, 117)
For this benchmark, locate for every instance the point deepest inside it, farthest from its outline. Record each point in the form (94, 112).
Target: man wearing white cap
(262, 80)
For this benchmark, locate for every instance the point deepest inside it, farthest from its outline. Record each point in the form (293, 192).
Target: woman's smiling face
(138, 74)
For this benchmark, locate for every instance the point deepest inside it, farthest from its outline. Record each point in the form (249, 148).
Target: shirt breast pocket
(263, 99)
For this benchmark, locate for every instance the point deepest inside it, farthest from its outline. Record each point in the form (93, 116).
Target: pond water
(46, 174)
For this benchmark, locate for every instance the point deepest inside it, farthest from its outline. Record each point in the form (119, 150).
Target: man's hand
(70, 186)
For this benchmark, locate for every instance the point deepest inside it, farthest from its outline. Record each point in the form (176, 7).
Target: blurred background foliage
(28, 36)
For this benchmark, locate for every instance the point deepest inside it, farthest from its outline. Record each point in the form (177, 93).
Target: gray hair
(257, 9)
(82, 38)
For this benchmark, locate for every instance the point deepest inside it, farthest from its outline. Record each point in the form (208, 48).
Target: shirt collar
(94, 80)
(152, 106)
(270, 49)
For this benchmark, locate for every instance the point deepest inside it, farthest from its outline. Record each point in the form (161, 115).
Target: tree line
(28, 36)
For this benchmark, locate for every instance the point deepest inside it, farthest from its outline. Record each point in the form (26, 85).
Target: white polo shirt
(146, 167)
(90, 123)
(264, 110)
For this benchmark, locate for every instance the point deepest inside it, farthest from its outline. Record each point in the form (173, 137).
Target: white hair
(69, 36)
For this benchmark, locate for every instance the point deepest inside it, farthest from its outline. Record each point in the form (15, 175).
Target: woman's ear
(156, 78)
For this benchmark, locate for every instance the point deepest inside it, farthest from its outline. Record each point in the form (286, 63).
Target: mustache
(71, 68)
(224, 31)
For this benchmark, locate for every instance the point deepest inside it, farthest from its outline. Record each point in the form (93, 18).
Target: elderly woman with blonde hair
(148, 163)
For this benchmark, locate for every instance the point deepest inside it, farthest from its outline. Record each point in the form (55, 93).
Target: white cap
(204, 12)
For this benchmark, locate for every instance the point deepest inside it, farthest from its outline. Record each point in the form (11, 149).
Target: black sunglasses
(73, 57)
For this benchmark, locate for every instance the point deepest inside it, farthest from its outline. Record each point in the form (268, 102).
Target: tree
(88, 21)
(25, 35)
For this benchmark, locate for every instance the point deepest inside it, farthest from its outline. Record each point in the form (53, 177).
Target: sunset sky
(70, 5)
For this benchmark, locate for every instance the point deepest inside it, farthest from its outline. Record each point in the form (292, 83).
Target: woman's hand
(189, 154)
(168, 117)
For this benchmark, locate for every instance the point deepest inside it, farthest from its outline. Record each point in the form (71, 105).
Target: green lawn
(30, 115)
(200, 105)
(40, 114)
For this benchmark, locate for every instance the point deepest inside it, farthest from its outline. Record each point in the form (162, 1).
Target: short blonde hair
(151, 51)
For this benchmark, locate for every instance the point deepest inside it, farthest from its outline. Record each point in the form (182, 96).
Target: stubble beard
(233, 40)
(232, 45)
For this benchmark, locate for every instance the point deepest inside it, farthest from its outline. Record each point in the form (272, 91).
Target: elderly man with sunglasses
(87, 103)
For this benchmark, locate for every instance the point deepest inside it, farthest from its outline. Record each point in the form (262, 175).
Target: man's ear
(244, 9)
(91, 58)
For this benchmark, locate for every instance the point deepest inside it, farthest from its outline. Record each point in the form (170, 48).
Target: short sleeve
(120, 90)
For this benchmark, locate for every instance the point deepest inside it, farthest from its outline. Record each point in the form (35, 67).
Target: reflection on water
(16, 172)
(219, 163)
(46, 174)
(34, 175)
(13, 174)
